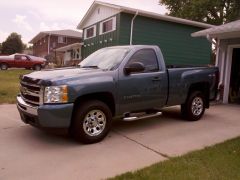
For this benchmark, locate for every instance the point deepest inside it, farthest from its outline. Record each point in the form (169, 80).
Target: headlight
(56, 94)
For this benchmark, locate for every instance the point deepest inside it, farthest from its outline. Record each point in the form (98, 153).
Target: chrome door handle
(156, 79)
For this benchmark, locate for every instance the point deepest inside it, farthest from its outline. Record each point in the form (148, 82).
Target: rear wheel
(37, 67)
(194, 107)
(4, 66)
(91, 122)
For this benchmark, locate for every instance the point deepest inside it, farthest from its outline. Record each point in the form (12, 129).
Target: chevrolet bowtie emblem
(24, 90)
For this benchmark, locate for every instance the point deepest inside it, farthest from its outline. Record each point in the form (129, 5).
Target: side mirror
(134, 68)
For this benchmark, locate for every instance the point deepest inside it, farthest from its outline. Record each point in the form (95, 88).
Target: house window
(62, 39)
(108, 25)
(53, 44)
(90, 32)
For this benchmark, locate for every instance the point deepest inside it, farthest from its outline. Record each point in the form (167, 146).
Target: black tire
(82, 130)
(37, 67)
(4, 66)
(194, 107)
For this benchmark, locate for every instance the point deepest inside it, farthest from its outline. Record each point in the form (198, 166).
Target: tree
(215, 12)
(0, 48)
(13, 44)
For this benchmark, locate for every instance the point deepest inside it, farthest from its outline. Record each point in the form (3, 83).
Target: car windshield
(105, 59)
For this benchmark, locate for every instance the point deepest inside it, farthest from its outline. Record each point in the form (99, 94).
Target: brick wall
(40, 48)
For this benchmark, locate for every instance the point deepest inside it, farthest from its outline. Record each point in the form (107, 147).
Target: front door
(234, 90)
(143, 90)
(22, 61)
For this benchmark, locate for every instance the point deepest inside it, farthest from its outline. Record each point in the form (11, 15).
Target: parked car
(114, 82)
(22, 61)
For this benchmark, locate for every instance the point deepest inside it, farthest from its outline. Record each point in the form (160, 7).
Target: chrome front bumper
(21, 104)
(45, 116)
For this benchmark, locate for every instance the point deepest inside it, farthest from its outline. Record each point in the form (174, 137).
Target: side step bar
(135, 118)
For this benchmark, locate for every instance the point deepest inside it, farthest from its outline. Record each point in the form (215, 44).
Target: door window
(18, 57)
(24, 58)
(148, 58)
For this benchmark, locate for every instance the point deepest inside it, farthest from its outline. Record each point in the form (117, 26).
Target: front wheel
(37, 67)
(91, 122)
(194, 107)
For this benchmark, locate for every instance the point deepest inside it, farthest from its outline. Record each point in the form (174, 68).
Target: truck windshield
(105, 59)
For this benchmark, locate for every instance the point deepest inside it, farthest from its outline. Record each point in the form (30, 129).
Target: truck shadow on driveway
(170, 117)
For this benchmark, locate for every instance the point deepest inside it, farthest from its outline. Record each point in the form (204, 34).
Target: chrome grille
(30, 92)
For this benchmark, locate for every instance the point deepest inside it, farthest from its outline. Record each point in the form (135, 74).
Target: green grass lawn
(9, 84)
(219, 162)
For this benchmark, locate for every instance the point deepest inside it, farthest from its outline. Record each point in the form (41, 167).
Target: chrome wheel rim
(94, 123)
(37, 68)
(4, 67)
(197, 106)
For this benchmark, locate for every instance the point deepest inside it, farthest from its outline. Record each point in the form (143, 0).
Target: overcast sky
(28, 17)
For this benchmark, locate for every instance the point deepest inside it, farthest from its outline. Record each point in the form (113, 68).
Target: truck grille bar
(30, 91)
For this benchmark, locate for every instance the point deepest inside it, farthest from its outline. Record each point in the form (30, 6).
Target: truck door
(143, 90)
(27, 62)
(17, 61)
(22, 61)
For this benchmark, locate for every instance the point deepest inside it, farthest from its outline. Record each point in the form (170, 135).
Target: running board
(134, 118)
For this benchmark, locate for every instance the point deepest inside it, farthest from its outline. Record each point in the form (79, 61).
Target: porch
(71, 54)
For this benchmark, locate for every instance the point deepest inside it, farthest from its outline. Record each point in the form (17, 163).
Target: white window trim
(228, 71)
(114, 25)
(59, 42)
(94, 32)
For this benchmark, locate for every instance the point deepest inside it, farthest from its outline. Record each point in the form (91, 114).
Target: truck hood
(6, 57)
(58, 76)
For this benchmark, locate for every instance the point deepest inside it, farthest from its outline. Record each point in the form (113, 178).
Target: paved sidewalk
(27, 153)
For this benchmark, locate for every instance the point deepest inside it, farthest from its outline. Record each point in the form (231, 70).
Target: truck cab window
(24, 58)
(17, 57)
(148, 58)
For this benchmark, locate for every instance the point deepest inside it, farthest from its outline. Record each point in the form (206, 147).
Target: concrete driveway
(27, 153)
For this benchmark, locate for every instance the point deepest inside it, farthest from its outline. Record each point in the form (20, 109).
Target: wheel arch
(105, 97)
(4, 63)
(34, 65)
(203, 87)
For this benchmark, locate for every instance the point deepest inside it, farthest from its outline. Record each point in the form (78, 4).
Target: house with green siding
(107, 24)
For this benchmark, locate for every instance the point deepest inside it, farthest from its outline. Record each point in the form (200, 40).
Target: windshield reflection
(105, 59)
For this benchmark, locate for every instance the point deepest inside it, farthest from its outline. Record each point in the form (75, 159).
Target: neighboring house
(107, 24)
(227, 59)
(45, 44)
(72, 53)
(28, 51)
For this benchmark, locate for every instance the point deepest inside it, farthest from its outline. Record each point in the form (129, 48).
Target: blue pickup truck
(112, 83)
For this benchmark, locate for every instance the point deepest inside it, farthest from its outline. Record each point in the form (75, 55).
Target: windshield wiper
(94, 67)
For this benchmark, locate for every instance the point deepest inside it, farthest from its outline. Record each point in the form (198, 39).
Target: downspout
(220, 83)
(49, 43)
(210, 40)
(131, 35)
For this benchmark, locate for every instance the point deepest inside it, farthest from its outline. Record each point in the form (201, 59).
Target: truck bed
(181, 78)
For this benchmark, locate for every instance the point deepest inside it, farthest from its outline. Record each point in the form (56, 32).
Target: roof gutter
(131, 35)
(210, 40)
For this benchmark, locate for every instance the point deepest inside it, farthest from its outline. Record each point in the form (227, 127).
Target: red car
(22, 61)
